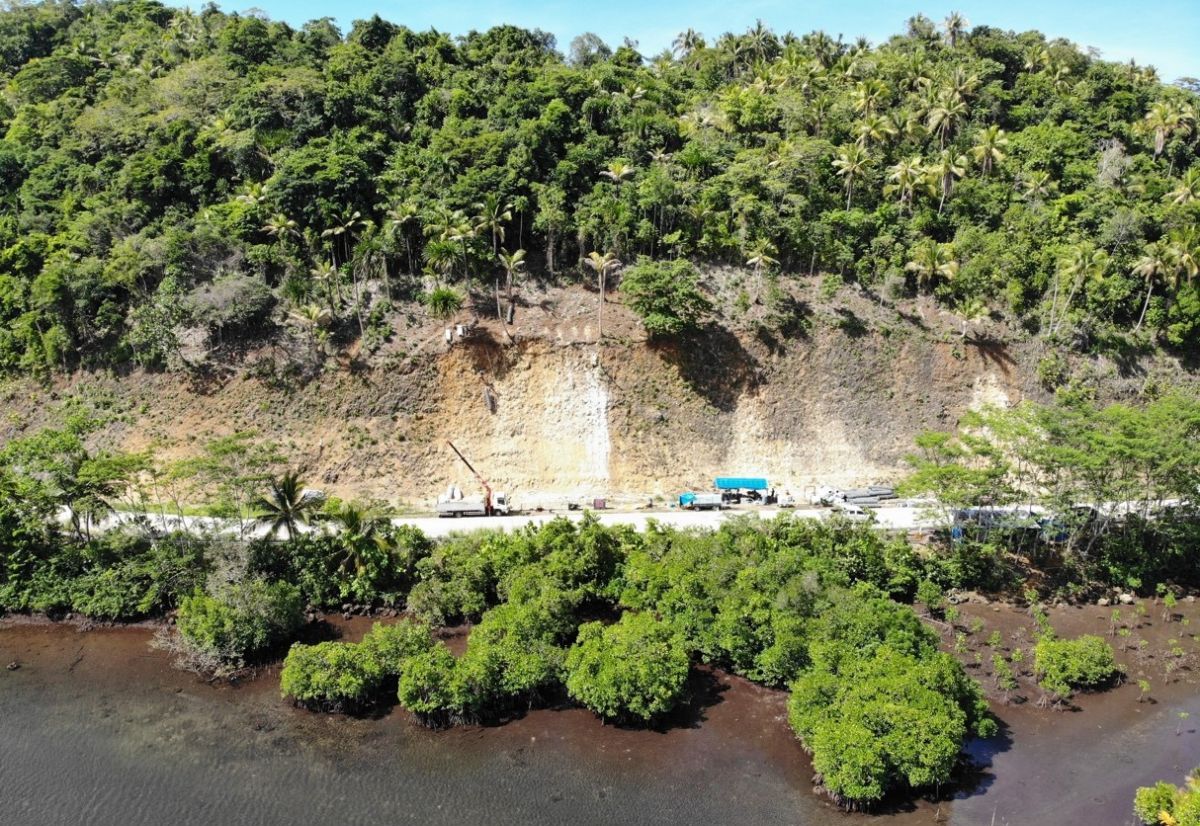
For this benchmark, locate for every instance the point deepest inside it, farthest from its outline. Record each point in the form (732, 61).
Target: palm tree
(989, 148)
(869, 95)
(513, 263)
(361, 530)
(688, 43)
(602, 265)
(851, 163)
(494, 214)
(253, 193)
(1038, 59)
(1154, 264)
(440, 256)
(874, 129)
(1188, 190)
(945, 115)
(971, 311)
(343, 232)
(945, 169)
(1082, 263)
(398, 218)
(279, 226)
(327, 274)
(904, 177)
(1162, 121)
(287, 504)
(617, 171)
(955, 25)
(1036, 186)
(759, 255)
(930, 261)
(761, 41)
(314, 319)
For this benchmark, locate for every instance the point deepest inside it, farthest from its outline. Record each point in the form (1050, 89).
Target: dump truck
(453, 503)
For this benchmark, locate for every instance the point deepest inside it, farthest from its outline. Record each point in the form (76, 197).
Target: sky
(1161, 33)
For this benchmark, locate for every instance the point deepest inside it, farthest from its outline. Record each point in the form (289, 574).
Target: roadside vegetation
(863, 628)
(177, 182)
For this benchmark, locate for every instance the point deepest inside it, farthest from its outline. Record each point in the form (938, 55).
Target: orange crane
(488, 508)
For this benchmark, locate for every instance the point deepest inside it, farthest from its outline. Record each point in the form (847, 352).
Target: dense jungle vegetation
(169, 174)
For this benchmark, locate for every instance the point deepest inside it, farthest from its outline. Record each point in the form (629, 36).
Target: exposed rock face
(548, 416)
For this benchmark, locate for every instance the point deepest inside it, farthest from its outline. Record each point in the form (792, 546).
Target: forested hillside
(169, 173)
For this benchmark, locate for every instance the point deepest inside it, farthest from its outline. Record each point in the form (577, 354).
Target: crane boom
(487, 489)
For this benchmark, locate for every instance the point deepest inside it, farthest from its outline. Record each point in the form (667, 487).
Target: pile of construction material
(870, 496)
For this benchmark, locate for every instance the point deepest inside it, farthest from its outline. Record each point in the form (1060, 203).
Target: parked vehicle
(701, 501)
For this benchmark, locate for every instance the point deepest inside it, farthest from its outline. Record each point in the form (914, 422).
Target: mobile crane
(453, 503)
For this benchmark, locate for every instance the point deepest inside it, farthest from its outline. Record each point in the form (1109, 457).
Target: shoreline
(739, 723)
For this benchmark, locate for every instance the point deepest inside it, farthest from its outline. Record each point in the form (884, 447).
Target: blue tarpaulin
(740, 483)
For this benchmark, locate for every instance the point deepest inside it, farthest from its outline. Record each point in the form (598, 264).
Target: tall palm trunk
(1145, 306)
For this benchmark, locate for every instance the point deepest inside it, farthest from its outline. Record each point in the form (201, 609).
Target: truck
(453, 503)
(736, 488)
(701, 501)
(450, 505)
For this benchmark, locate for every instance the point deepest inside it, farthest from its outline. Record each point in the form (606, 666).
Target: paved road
(895, 517)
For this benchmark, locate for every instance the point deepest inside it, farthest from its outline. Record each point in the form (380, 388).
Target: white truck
(453, 503)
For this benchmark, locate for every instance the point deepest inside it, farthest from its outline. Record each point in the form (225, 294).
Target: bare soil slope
(546, 414)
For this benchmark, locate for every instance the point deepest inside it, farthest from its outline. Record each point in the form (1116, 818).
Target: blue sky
(1162, 33)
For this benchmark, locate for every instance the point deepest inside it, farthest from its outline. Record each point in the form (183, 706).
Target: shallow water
(98, 728)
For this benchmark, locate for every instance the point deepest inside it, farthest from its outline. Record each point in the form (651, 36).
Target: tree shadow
(488, 354)
(713, 362)
(789, 320)
(849, 323)
(995, 352)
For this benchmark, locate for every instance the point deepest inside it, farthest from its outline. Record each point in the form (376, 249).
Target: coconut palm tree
(513, 264)
(945, 116)
(342, 234)
(868, 95)
(314, 320)
(327, 274)
(1188, 189)
(617, 171)
(279, 226)
(1082, 263)
(602, 265)
(955, 25)
(1038, 59)
(945, 169)
(399, 218)
(1153, 265)
(988, 150)
(687, 43)
(760, 255)
(1162, 121)
(287, 505)
(362, 536)
(494, 213)
(253, 193)
(904, 177)
(851, 164)
(874, 129)
(1036, 186)
(930, 261)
